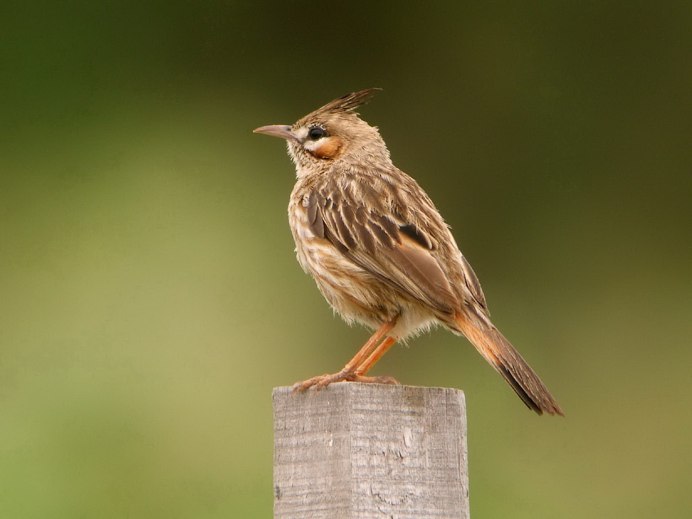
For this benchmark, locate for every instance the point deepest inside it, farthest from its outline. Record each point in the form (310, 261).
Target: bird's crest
(349, 102)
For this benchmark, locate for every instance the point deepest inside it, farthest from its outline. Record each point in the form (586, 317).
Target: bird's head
(332, 133)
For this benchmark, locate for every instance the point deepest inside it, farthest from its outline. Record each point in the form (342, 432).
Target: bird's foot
(322, 381)
(382, 379)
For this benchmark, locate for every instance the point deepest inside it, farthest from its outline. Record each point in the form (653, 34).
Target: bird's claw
(322, 381)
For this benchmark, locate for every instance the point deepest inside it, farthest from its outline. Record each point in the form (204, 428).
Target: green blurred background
(150, 295)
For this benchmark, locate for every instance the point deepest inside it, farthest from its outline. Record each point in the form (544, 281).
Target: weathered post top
(370, 451)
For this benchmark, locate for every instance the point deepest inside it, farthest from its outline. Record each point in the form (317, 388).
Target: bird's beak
(276, 130)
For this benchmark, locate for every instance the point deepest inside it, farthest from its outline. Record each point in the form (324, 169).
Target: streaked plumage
(379, 250)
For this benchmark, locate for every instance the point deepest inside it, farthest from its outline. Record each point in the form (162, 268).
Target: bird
(380, 252)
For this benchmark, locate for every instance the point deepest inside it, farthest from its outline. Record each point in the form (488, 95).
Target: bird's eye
(315, 133)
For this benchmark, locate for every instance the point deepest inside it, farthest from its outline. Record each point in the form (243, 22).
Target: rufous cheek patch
(328, 149)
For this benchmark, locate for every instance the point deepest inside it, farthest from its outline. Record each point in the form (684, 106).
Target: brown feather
(329, 149)
(349, 102)
(507, 361)
(377, 247)
(418, 265)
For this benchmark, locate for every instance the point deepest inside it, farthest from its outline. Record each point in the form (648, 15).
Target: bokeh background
(150, 298)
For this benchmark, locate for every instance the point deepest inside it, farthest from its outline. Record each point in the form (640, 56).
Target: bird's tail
(507, 361)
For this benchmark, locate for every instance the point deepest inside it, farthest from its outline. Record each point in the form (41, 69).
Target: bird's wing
(394, 250)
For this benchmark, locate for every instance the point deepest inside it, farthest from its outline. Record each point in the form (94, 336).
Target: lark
(381, 253)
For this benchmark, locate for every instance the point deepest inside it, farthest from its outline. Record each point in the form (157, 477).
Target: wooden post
(361, 451)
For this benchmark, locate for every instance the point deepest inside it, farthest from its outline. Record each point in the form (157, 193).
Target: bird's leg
(351, 371)
(369, 362)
